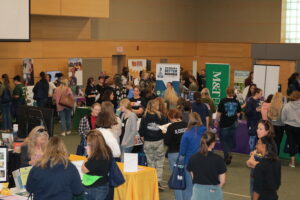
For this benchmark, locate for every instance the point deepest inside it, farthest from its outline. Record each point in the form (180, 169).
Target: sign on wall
(217, 80)
(136, 66)
(75, 75)
(167, 73)
(27, 68)
(239, 79)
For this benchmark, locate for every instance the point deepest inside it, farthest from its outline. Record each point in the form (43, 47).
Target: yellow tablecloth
(141, 185)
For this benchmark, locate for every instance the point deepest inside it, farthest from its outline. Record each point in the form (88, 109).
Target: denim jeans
(6, 116)
(125, 150)
(42, 102)
(172, 157)
(207, 192)
(227, 139)
(96, 193)
(65, 119)
(187, 193)
(252, 142)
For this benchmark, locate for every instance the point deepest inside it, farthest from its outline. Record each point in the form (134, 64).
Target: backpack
(6, 96)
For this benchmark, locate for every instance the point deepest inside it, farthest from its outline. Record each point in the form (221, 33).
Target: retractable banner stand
(75, 75)
(167, 73)
(136, 66)
(217, 80)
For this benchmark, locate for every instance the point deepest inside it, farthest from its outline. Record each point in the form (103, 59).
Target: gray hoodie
(291, 114)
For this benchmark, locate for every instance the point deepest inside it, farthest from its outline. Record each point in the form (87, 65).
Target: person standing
(170, 96)
(51, 90)
(40, 91)
(290, 116)
(194, 85)
(6, 99)
(249, 80)
(208, 171)
(253, 113)
(201, 109)
(228, 112)
(172, 141)
(293, 83)
(205, 98)
(63, 111)
(90, 92)
(18, 96)
(138, 103)
(265, 107)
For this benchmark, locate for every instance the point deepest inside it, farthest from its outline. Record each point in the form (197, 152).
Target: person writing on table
(207, 170)
(34, 146)
(96, 167)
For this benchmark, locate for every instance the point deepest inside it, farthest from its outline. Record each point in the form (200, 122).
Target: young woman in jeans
(5, 97)
(96, 167)
(63, 111)
(208, 171)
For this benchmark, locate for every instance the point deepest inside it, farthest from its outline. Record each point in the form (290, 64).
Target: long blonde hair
(31, 140)
(56, 153)
(205, 93)
(153, 108)
(170, 96)
(275, 106)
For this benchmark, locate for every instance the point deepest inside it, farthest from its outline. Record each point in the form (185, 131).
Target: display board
(266, 77)
(136, 66)
(15, 20)
(217, 80)
(165, 73)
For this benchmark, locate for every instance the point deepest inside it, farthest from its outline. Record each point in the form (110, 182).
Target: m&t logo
(216, 87)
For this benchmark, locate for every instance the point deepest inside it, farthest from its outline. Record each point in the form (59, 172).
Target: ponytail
(207, 139)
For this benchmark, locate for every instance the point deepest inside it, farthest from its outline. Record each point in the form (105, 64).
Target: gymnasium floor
(237, 180)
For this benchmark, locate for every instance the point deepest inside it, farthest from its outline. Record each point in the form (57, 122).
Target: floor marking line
(239, 195)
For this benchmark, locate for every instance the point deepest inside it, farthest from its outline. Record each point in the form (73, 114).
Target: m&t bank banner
(167, 73)
(217, 80)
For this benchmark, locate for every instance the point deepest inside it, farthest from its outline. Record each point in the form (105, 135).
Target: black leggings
(279, 131)
(293, 137)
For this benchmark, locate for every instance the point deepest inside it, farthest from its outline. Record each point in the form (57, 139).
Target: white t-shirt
(111, 141)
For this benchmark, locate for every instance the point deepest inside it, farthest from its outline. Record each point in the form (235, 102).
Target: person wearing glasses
(34, 146)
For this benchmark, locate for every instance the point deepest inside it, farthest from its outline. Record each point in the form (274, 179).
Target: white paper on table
(78, 165)
(130, 162)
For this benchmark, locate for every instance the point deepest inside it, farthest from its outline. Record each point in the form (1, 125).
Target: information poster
(136, 66)
(239, 79)
(75, 75)
(27, 68)
(217, 80)
(165, 73)
(3, 164)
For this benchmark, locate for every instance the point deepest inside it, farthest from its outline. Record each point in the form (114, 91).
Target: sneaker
(68, 132)
(292, 165)
(63, 134)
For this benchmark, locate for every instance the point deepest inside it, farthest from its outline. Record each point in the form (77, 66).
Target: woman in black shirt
(90, 92)
(267, 173)
(96, 167)
(208, 171)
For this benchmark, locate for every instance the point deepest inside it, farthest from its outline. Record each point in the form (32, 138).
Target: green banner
(217, 80)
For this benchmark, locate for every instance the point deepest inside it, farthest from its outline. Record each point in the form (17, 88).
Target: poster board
(75, 75)
(217, 80)
(165, 73)
(27, 69)
(136, 66)
(3, 164)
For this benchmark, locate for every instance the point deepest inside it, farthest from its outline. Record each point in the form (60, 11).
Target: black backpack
(6, 96)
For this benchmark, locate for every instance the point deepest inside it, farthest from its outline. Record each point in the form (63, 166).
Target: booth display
(28, 71)
(165, 73)
(136, 66)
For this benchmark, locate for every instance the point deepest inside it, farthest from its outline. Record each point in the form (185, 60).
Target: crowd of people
(124, 109)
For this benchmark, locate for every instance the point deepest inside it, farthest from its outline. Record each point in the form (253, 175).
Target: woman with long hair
(205, 98)
(172, 140)
(290, 116)
(150, 92)
(208, 170)
(185, 107)
(6, 101)
(194, 85)
(250, 92)
(63, 111)
(265, 107)
(274, 115)
(109, 96)
(189, 145)
(34, 146)
(54, 177)
(162, 106)
(110, 127)
(249, 79)
(129, 126)
(96, 167)
(170, 96)
(153, 137)
(267, 173)
(202, 109)
(293, 83)
(90, 92)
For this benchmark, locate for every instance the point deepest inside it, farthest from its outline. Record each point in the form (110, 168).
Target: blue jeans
(6, 116)
(42, 102)
(65, 119)
(125, 150)
(172, 157)
(227, 139)
(187, 193)
(252, 142)
(207, 192)
(96, 193)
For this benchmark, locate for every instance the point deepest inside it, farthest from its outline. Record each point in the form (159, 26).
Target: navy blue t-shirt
(202, 110)
(54, 183)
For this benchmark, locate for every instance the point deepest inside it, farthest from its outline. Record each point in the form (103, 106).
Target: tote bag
(177, 179)
(115, 177)
(66, 100)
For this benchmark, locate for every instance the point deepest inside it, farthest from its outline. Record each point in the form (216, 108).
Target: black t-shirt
(173, 136)
(149, 128)
(90, 90)
(206, 169)
(267, 179)
(139, 103)
(98, 167)
(229, 108)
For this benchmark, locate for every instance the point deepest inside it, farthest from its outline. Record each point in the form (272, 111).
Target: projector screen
(15, 20)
